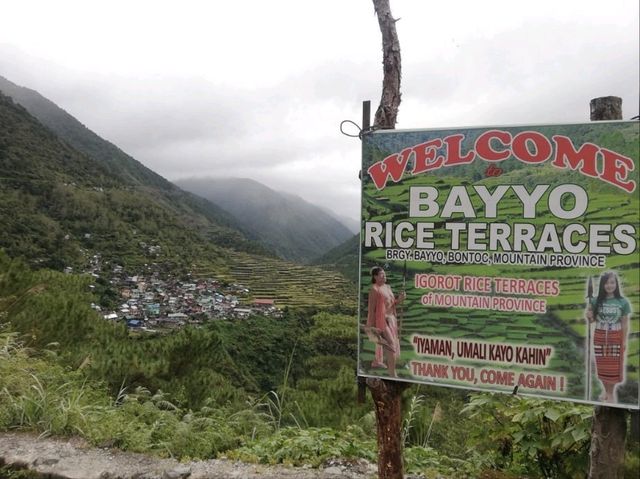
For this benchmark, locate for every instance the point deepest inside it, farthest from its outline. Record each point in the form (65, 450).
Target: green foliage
(313, 446)
(52, 195)
(432, 419)
(276, 403)
(265, 389)
(327, 356)
(52, 310)
(334, 335)
(632, 459)
(433, 464)
(222, 361)
(532, 436)
(39, 395)
(330, 402)
(318, 360)
(148, 423)
(11, 473)
(262, 347)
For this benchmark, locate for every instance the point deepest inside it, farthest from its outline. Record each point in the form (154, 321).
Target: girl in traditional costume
(610, 311)
(382, 322)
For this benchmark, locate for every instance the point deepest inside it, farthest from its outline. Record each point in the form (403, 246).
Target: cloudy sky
(257, 89)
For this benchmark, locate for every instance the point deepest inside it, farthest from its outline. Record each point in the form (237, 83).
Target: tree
(387, 111)
(387, 395)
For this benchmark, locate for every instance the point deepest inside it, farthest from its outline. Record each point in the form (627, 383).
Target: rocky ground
(74, 459)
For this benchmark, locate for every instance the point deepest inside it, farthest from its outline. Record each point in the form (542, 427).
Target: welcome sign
(504, 259)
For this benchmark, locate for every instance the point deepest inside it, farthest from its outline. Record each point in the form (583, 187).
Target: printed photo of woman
(382, 321)
(610, 311)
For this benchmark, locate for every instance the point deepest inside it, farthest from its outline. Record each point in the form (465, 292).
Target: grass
(39, 395)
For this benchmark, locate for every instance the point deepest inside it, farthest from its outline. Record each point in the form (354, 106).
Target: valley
(141, 317)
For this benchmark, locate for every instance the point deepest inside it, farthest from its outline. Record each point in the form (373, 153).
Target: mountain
(56, 204)
(295, 229)
(343, 258)
(59, 207)
(352, 225)
(210, 221)
(116, 162)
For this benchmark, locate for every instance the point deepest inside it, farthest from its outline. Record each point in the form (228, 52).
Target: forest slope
(295, 229)
(58, 205)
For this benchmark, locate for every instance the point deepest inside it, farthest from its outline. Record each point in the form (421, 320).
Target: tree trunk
(608, 436)
(387, 399)
(606, 108)
(609, 430)
(390, 101)
(387, 395)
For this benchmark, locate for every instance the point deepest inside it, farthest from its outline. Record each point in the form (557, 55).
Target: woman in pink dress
(382, 319)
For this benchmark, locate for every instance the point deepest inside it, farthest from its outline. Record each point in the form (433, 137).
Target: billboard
(503, 259)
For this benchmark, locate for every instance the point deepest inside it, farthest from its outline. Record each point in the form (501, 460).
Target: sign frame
(418, 159)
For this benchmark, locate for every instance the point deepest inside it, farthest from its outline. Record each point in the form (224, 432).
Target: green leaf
(552, 414)
(579, 435)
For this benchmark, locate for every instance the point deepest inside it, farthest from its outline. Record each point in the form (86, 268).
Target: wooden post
(606, 108)
(387, 395)
(366, 115)
(608, 437)
(366, 124)
(387, 399)
(609, 430)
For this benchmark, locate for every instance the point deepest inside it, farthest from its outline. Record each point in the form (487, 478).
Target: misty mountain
(57, 205)
(285, 223)
(122, 166)
(116, 163)
(352, 225)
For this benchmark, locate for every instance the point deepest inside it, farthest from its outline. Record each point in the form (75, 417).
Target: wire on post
(343, 122)
(361, 131)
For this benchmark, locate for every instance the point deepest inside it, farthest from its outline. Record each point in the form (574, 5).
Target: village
(159, 302)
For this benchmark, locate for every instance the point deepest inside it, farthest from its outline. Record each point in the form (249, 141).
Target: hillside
(57, 205)
(343, 258)
(126, 172)
(223, 365)
(295, 229)
(118, 164)
(60, 207)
